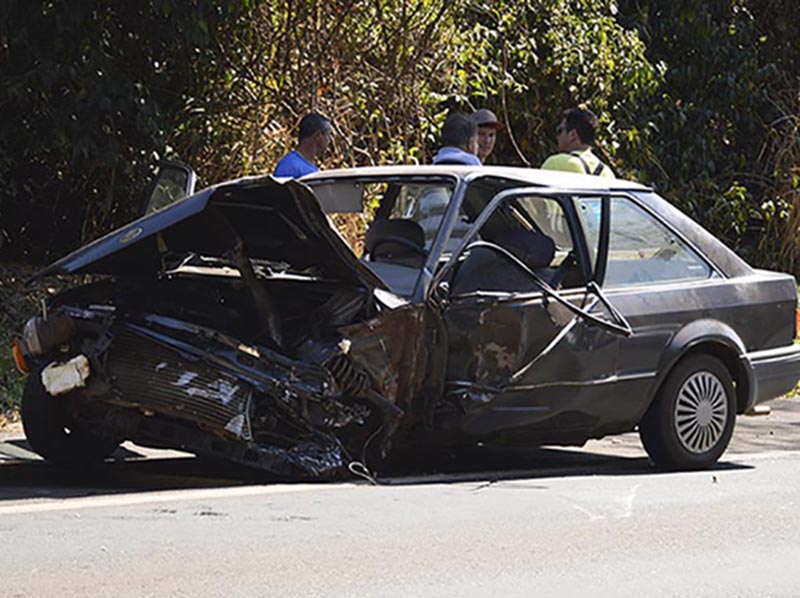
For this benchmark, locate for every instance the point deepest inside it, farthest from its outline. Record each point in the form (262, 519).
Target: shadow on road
(490, 465)
(129, 472)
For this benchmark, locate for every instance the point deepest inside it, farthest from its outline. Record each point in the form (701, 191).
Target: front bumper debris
(61, 378)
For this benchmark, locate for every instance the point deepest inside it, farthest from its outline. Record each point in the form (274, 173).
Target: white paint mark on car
(185, 379)
(218, 390)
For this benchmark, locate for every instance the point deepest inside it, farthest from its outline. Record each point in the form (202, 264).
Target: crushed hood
(280, 222)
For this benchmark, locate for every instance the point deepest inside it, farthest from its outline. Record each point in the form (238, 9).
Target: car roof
(724, 258)
(528, 176)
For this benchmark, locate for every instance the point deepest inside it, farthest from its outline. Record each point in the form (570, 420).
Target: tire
(53, 434)
(691, 420)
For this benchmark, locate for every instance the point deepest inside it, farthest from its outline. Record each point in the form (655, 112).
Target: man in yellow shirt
(575, 135)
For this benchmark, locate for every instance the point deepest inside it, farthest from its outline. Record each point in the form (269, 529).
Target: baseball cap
(485, 118)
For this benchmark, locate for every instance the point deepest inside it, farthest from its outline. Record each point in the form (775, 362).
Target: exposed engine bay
(235, 324)
(196, 360)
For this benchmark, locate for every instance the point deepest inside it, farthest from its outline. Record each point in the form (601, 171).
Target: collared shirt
(584, 162)
(455, 155)
(294, 165)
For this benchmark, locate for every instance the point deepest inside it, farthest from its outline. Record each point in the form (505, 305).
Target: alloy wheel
(701, 410)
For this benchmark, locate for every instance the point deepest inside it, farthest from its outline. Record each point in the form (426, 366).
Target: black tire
(53, 434)
(691, 420)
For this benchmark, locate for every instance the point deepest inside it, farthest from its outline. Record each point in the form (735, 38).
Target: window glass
(425, 204)
(644, 251)
(548, 218)
(172, 184)
(589, 214)
(533, 231)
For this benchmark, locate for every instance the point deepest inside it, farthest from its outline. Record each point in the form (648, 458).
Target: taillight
(19, 358)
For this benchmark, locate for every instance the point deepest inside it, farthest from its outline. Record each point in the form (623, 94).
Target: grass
(17, 304)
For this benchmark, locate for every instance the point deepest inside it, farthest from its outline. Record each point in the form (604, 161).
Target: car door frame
(605, 368)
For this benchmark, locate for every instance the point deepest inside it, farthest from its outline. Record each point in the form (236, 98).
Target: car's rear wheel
(691, 420)
(54, 434)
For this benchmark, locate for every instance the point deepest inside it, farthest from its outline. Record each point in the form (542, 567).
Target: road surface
(592, 522)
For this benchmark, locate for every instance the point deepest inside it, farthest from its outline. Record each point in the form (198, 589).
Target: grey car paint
(432, 367)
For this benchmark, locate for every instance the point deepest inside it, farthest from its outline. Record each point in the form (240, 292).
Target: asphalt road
(597, 521)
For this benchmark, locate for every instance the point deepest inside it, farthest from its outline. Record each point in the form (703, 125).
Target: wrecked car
(501, 306)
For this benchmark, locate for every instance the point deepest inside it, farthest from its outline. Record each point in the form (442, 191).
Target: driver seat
(396, 241)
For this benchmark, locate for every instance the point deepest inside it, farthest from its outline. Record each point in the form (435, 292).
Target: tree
(722, 115)
(94, 89)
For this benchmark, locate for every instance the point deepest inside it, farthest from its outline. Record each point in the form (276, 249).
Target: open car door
(532, 342)
(173, 182)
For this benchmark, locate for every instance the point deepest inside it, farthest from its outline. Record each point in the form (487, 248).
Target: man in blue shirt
(314, 137)
(459, 141)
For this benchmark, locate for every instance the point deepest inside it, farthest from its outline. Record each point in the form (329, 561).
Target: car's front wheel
(691, 420)
(53, 433)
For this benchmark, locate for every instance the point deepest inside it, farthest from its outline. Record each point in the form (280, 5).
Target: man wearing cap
(314, 136)
(575, 136)
(487, 132)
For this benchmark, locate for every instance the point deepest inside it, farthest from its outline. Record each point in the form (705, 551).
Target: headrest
(402, 228)
(534, 249)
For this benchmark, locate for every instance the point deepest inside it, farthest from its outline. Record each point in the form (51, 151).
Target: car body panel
(355, 369)
(773, 373)
(520, 363)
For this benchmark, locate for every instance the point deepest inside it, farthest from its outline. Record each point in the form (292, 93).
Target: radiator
(157, 378)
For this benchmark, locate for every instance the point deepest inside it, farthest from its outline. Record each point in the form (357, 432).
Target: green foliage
(719, 123)
(531, 60)
(91, 90)
(11, 383)
(373, 68)
(697, 98)
(17, 307)
(390, 81)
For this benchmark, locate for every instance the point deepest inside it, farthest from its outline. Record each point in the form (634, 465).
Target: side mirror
(172, 183)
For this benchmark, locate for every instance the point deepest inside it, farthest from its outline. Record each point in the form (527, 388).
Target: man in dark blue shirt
(314, 137)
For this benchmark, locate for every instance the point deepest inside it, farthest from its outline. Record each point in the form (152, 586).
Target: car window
(642, 250)
(549, 218)
(425, 204)
(589, 214)
(523, 235)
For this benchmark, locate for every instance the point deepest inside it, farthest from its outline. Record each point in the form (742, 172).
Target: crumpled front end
(165, 382)
(236, 323)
